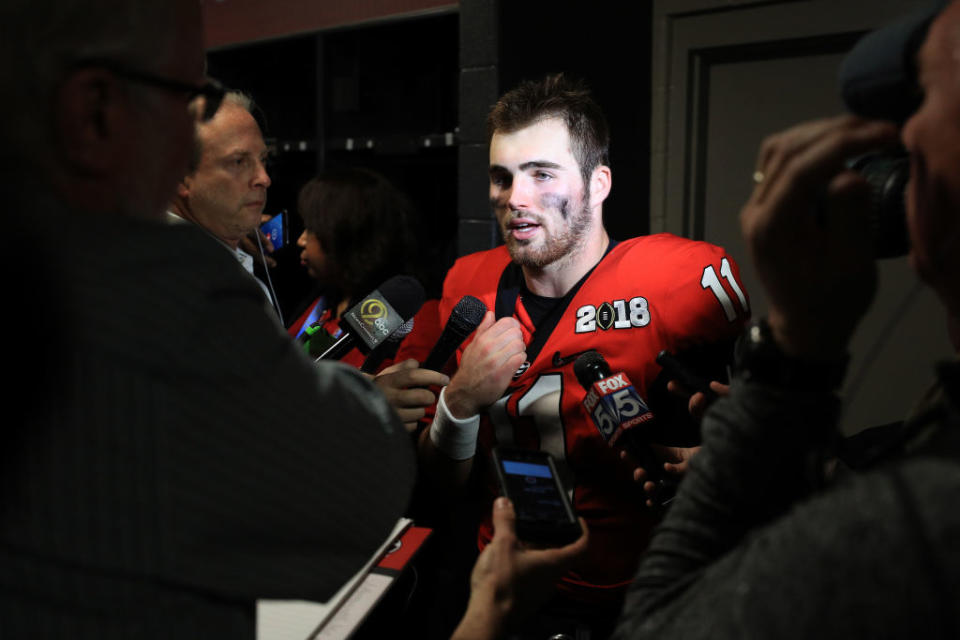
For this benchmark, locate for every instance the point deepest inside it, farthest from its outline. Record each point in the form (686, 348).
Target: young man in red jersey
(558, 287)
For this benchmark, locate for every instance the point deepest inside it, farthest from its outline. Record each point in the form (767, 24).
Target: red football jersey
(647, 294)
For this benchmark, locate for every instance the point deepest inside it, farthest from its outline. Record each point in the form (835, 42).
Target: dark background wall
(605, 43)
(380, 95)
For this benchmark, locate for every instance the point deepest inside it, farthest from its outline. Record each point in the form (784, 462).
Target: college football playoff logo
(617, 314)
(519, 372)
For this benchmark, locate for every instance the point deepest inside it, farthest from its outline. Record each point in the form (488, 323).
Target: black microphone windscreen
(589, 367)
(465, 317)
(405, 294)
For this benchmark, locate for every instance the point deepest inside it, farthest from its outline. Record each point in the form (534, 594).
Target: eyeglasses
(212, 91)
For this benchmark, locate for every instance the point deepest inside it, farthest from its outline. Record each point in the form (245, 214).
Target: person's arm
(279, 480)
(746, 476)
(447, 447)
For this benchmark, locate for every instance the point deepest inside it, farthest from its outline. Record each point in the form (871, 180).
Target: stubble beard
(552, 249)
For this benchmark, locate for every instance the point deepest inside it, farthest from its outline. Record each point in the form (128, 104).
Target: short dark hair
(556, 96)
(363, 224)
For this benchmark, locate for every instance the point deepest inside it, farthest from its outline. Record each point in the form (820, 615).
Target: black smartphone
(684, 375)
(529, 479)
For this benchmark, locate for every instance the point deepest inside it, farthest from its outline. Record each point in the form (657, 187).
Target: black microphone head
(466, 316)
(589, 367)
(381, 312)
(405, 294)
(878, 78)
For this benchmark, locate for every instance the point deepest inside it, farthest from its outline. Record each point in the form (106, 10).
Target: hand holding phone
(529, 479)
(684, 375)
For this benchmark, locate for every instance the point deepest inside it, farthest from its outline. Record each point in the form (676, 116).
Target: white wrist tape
(456, 437)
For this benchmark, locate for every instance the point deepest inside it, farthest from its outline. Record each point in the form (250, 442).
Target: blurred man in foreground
(153, 483)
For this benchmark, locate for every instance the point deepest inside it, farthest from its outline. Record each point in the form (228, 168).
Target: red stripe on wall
(229, 22)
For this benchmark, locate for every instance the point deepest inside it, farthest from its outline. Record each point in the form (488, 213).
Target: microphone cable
(273, 294)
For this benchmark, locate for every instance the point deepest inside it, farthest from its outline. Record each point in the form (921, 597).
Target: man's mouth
(522, 228)
(522, 223)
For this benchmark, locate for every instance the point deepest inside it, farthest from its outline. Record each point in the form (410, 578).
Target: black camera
(887, 174)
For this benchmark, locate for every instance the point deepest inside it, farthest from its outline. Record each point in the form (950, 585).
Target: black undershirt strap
(509, 289)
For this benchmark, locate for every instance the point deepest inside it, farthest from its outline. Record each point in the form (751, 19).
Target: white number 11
(712, 282)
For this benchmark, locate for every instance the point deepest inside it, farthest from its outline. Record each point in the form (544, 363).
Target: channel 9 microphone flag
(380, 313)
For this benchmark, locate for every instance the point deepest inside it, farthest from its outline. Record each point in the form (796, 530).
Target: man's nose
(520, 195)
(262, 178)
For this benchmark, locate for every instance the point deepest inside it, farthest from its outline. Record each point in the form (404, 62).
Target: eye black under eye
(500, 180)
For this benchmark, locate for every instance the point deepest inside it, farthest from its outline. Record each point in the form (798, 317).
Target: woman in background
(357, 234)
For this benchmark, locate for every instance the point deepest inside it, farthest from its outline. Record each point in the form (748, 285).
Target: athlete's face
(537, 193)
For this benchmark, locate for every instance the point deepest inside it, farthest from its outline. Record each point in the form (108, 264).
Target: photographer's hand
(806, 229)
(510, 580)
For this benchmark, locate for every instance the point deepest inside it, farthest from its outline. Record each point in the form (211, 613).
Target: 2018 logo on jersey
(618, 314)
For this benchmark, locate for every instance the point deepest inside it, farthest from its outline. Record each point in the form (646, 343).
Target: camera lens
(887, 174)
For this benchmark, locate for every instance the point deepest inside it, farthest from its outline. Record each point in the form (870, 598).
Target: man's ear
(183, 187)
(600, 182)
(89, 118)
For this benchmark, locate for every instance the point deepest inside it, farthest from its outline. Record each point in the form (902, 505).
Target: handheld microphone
(387, 349)
(370, 321)
(465, 317)
(617, 410)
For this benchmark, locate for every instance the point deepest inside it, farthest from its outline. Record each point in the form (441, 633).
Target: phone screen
(275, 229)
(529, 479)
(534, 492)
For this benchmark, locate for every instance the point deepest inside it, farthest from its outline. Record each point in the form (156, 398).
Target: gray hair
(236, 98)
(43, 39)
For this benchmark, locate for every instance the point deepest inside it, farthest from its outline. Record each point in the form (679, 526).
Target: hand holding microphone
(464, 319)
(619, 413)
(406, 384)
(406, 387)
(487, 366)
